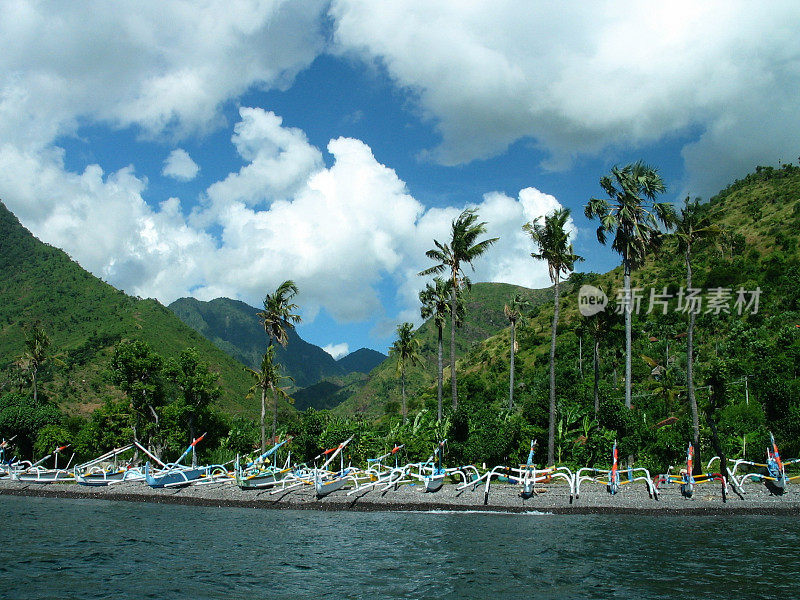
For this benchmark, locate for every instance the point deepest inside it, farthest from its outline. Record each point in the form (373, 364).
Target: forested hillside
(85, 318)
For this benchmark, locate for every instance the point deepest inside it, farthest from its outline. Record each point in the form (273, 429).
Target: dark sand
(553, 498)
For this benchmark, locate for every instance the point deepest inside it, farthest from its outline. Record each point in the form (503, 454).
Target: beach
(551, 498)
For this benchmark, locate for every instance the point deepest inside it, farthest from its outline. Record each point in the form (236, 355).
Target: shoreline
(553, 499)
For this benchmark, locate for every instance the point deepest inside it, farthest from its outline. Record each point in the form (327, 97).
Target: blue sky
(218, 150)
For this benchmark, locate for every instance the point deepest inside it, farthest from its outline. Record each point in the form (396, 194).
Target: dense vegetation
(745, 365)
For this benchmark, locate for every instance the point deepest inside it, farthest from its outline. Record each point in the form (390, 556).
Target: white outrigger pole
(379, 474)
(434, 481)
(92, 473)
(36, 473)
(775, 476)
(256, 474)
(526, 475)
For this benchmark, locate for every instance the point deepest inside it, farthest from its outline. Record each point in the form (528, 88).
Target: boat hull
(45, 477)
(258, 481)
(103, 479)
(175, 478)
(323, 488)
(434, 483)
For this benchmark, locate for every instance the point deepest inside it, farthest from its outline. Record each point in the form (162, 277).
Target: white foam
(442, 511)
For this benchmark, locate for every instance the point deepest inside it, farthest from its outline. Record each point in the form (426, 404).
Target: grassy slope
(85, 317)
(484, 318)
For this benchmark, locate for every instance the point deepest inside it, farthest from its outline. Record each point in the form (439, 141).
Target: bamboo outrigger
(379, 474)
(527, 476)
(177, 475)
(774, 474)
(687, 479)
(612, 479)
(100, 472)
(326, 481)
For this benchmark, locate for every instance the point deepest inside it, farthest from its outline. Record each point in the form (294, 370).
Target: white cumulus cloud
(339, 232)
(581, 78)
(163, 67)
(179, 165)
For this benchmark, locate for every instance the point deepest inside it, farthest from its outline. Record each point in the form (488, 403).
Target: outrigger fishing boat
(526, 475)
(258, 474)
(106, 469)
(326, 481)
(432, 473)
(774, 477)
(688, 480)
(435, 479)
(36, 473)
(379, 474)
(7, 465)
(178, 475)
(611, 477)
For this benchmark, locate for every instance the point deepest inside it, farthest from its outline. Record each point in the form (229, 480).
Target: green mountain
(234, 328)
(84, 318)
(328, 393)
(758, 246)
(362, 360)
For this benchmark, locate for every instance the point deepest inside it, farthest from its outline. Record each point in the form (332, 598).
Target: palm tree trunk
(263, 418)
(580, 355)
(453, 385)
(441, 374)
(511, 369)
(274, 412)
(35, 388)
(403, 389)
(628, 344)
(690, 369)
(551, 433)
(628, 326)
(596, 376)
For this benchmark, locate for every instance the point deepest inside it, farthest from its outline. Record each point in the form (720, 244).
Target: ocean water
(54, 548)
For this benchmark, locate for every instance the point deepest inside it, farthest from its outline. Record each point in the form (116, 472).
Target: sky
(214, 149)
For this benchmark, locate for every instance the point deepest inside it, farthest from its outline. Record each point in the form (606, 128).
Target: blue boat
(176, 474)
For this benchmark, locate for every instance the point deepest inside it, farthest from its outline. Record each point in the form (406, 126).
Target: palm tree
(692, 227)
(276, 317)
(277, 314)
(406, 349)
(602, 326)
(463, 248)
(269, 378)
(552, 239)
(514, 313)
(35, 356)
(635, 226)
(435, 301)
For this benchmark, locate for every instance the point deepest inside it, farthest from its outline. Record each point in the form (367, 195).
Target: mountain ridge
(233, 326)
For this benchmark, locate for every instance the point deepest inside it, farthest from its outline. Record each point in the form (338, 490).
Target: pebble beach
(552, 498)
